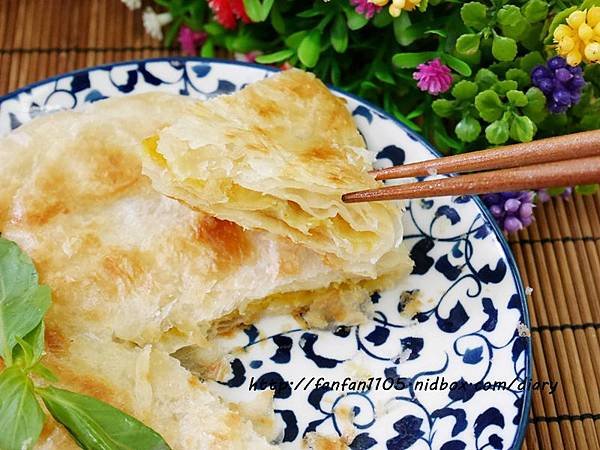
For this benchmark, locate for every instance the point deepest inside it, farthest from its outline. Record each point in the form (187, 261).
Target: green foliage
(490, 46)
(93, 424)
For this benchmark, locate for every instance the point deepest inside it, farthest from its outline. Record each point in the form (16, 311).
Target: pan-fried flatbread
(278, 156)
(136, 274)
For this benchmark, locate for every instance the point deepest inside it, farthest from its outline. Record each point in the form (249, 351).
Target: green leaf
(339, 34)
(497, 132)
(489, 105)
(509, 15)
(530, 60)
(504, 48)
(275, 57)
(586, 189)
(536, 101)
(522, 129)
(457, 64)
(485, 79)
(404, 32)
(516, 98)
(214, 29)
(518, 75)
(382, 19)
(208, 49)
(468, 44)
(96, 425)
(355, 20)
(23, 302)
(464, 90)
(257, 11)
(474, 14)
(412, 60)
(21, 418)
(502, 87)
(310, 49)
(468, 129)
(558, 19)
(443, 107)
(277, 21)
(294, 39)
(30, 348)
(535, 10)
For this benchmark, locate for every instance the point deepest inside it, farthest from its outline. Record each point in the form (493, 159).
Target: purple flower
(512, 210)
(543, 195)
(365, 8)
(190, 39)
(560, 83)
(433, 77)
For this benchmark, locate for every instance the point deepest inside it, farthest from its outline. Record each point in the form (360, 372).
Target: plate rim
(524, 420)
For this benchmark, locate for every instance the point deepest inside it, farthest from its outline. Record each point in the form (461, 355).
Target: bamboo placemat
(558, 255)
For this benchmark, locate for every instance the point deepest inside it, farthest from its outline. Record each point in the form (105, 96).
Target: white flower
(153, 22)
(133, 4)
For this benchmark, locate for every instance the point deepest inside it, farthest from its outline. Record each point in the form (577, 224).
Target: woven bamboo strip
(569, 350)
(541, 431)
(543, 405)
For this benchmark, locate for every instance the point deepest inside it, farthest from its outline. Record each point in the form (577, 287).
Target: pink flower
(190, 39)
(365, 8)
(227, 12)
(433, 77)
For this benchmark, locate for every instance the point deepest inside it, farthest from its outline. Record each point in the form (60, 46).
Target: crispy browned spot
(320, 153)
(227, 240)
(55, 341)
(125, 265)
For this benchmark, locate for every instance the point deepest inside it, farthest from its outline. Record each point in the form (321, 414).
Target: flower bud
(585, 32)
(565, 45)
(573, 57)
(576, 18)
(593, 16)
(592, 51)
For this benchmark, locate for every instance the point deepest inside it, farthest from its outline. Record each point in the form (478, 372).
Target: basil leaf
(23, 302)
(96, 425)
(21, 418)
(509, 15)
(310, 49)
(30, 348)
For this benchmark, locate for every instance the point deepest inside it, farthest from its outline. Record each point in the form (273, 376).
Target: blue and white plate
(446, 376)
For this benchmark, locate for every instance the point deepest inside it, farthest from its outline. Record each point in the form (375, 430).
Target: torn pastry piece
(152, 386)
(277, 156)
(119, 255)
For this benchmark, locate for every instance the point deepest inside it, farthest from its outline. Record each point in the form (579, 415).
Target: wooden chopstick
(571, 146)
(561, 173)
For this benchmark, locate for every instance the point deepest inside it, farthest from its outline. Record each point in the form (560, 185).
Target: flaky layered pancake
(278, 156)
(141, 267)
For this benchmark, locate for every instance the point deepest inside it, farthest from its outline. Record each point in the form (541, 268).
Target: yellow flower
(396, 6)
(579, 39)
